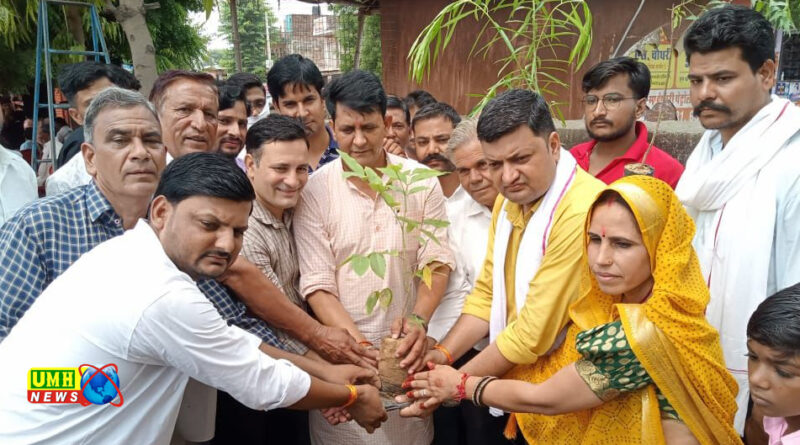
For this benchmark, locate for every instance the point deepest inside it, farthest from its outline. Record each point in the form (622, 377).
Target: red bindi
(603, 232)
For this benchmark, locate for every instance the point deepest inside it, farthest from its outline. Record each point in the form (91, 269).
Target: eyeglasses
(610, 101)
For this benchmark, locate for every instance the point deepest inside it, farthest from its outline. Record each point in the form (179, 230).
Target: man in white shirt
(433, 126)
(469, 210)
(80, 82)
(156, 332)
(17, 182)
(741, 183)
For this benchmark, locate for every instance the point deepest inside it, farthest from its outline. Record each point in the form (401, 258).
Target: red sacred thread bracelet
(462, 387)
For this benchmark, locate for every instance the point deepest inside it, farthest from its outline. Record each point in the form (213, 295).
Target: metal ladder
(43, 48)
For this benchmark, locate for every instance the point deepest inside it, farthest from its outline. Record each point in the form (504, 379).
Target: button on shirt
(17, 184)
(45, 238)
(268, 243)
(158, 331)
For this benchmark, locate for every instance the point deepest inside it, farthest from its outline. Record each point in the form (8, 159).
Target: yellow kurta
(668, 333)
(555, 286)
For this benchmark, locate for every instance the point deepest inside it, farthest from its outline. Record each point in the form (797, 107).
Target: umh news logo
(85, 385)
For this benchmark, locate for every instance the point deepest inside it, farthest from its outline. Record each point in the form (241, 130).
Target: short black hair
(204, 174)
(359, 90)
(293, 69)
(600, 74)
(434, 110)
(776, 322)
(229, 94)
(274, 127)
(419, 98)
(393, 101)
(245, 81)
(76, 77)
(511, 110)
(732, 26)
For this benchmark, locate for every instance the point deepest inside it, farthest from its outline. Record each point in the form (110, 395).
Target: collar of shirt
(776, 427)
(99, 208)
(517, 216)
(583, 152)
(265, 217)
(331, 153)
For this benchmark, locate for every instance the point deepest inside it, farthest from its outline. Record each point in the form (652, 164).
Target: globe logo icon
(100, 386)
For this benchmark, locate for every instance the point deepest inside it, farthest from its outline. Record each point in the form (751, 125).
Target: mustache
(436, 157)
(218, 253)
(601, 121)
(709, 105)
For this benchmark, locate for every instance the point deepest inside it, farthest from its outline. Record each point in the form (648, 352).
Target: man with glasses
(615, 97)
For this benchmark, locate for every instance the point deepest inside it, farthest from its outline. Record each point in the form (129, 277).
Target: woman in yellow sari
(640, 363)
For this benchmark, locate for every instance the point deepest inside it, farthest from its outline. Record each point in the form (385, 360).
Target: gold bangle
(351, 399)
(443, 350)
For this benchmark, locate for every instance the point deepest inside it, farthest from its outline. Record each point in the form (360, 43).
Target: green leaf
(417, 189)
(385, 298)
(346, 175)
(372, 300)
(360, 264)
(389, 172)
(438, 223)
(420, 174)
(389, 199)
(378, 264)
(408, 222)
(431, 236)
(352, 164)
(373, 178)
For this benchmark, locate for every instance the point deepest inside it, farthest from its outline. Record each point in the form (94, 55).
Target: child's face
(774, 380)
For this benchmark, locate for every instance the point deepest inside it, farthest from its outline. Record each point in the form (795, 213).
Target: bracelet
(351, 399)
(462, 387)
(417, 320)
(365, 343)
(439, 347)
(477, 395)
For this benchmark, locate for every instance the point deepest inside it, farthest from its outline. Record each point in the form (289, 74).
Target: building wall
(314, 37)
(454, 77)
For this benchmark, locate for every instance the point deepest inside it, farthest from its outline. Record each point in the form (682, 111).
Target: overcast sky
(210, 27)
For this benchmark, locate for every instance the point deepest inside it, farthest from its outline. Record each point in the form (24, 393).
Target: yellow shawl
(668, 333)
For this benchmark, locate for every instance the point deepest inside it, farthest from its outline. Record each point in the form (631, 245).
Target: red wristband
(462, 387)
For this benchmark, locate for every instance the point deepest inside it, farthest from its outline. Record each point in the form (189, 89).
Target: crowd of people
(204, 240)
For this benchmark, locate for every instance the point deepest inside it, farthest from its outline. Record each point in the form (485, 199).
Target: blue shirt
(331, 153)
(43, 239)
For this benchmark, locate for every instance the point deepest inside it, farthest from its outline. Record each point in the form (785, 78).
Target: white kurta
(459, 283)
(729, 232)
(124, 302)
(17, 184)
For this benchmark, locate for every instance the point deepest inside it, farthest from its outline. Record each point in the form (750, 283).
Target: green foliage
(347, 35)
(178, 44)
(528, 31)
(784, 15)
(397, 186)
(252, 35)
